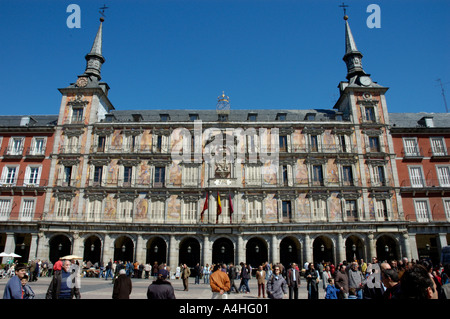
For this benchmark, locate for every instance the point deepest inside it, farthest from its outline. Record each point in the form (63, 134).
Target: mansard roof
(417, 120)
(28, 120)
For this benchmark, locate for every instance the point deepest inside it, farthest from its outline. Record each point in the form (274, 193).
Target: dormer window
(281, 117)
(310, 116)
(252, 117)
(164, 117)
(137, 117)
(193, 117)
(223, 117)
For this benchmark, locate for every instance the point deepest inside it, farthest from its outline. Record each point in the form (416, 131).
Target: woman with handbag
(312, 282)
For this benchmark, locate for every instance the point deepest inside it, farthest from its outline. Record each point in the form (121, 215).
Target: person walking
(197, 274)
(245, 276)
(261, 279)
(219, 282)
(161, 288)
(122, 286)
(232, 274)
(109, 270)
(185, 273)
(13, 288)
(276, 285)
(293, 281)
(312, 282)
(63, 284)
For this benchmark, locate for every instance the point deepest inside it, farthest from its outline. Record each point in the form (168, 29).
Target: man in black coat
(161, 288)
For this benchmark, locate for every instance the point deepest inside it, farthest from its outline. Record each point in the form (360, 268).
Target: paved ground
(95, 288)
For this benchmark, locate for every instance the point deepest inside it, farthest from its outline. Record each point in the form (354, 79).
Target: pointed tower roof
(95, 59)
(352, 56)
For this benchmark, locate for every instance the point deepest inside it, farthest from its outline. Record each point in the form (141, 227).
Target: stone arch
(324, 249)
(290, 251)
(156, 250)
(92, 251)
(60, 245)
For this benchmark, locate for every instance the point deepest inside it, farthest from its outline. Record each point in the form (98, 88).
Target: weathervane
(344, 6)
(102, 10)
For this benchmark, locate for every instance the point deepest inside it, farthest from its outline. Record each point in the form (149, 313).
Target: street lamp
(155, 249)
(189, 249)
(322, 248)
(124, 248)
(290, 248)
(222, 249)
(60, 247)
(354, 251)
(257, 249)
(92, 247)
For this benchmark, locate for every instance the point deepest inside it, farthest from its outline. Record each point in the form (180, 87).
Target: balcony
(13, 152)
(439, 153)
(35, 152)
(23, 184)
(412, 154)
(324, 149)
(438, 185)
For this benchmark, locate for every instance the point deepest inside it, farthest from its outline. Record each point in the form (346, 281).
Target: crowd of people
(396, 279)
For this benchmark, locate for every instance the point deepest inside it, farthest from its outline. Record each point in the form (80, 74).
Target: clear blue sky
(181, 54)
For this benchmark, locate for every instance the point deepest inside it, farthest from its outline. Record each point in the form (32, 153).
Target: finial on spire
(344, 7)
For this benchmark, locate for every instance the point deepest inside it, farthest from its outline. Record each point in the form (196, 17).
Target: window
(160, 176)
(374, 144)
(438, 146)
(252, 175)
(101, 143)
(157, 210)
(343, 145)
(16, 146)
(443, 173)
(416, 177)
(189, 175)
(252, 117)
(311, 117)
(223, 117)
(347, 176)
(284, 171)
(63, 208)
(126, 209)
(287, 210)
(281, 117)
(32, 175)
(351, 210)
(98, 172)
(95, 207)
(254, 211)
(159, 143)
(38, 146)
(193, 117)
(67, 175)
(317, 175)
(411, 148)
(77, 115)
(314, 143)
(27, 209)
(381, 209)
(370, 114)
(447, 208)
(378, 175)
(5, 208)
(318, 209)
(9, 175)
(283, 143)
(422, 214)
(164, 117)
(127, 174)
(190, 212)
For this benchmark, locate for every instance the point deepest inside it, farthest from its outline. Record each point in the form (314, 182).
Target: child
(331, 291)
(352, 293)
(27, 291)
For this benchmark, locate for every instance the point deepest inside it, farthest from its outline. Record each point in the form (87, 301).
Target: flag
(205, 206)
(231, 207)
(219, 207)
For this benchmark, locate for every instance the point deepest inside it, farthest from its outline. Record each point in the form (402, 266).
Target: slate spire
(95, 59)
(352, 57)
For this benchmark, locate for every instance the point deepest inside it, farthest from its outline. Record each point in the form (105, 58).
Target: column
(42, 252)
(141, 251)
(207, 258)
(10, 245)
(173, 249)
(240, 250)
(275, 253)
(413, 250)
(108, 249)
(77, 246)
(308, 255)
(340, 248)
(372, 252)
(33, 247)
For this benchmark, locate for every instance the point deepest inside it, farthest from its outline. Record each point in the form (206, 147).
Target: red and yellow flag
(219, 207)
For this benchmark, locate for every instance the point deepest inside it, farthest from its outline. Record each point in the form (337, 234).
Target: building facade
(207, 186)
(25, 143)
(420, 142)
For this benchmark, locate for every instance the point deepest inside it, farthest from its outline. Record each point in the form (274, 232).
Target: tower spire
(95, 59)
(352, 57)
